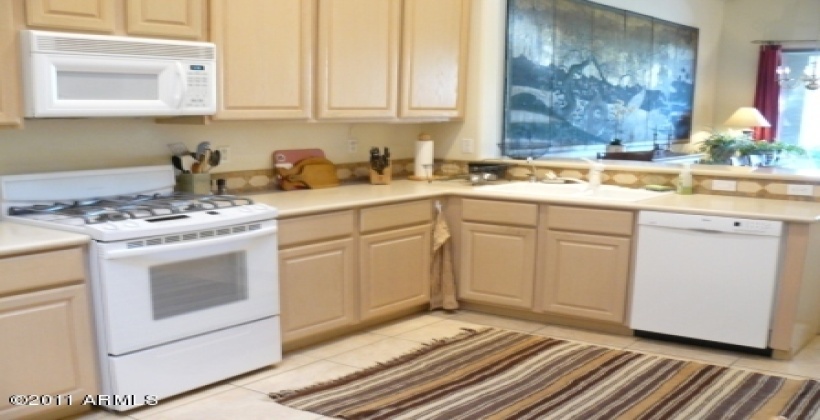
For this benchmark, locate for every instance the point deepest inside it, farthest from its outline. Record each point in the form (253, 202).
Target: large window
(800, 107)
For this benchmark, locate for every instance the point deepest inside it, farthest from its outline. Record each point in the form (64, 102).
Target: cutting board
(295, 155)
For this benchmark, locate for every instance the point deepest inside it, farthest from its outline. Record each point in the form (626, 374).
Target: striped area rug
(498, 374)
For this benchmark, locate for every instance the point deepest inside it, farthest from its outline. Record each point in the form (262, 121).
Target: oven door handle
(148, 250)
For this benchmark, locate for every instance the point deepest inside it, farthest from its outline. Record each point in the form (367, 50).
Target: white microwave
(82, 75)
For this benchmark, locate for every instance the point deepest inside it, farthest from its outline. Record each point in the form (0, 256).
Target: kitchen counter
(296, 203)
(17, 238)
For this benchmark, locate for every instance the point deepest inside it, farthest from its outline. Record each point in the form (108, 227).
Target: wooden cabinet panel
(266, 62)
(47, 350)
(497, 264)
(434, 58)
(11, 109)
(394, 270)
(396, 215)
(84, 15)
(35, 271)
(318, 227)
(170, 18)
(580, 219)
(500, 212)
(586, 276)
(358, 54)
(318, 288)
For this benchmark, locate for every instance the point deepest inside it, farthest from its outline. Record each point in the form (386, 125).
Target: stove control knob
(109, 226)
(246, 209)
(131, 224)
(260, 206)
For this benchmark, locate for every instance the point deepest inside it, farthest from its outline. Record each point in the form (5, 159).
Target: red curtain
(767, 94)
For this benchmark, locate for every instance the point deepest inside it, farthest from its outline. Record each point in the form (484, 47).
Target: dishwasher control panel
(711, 223)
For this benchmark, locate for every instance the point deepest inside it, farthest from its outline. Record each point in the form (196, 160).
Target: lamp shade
(747, 117)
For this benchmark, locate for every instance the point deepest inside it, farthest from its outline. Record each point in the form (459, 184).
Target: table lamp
(745, 119)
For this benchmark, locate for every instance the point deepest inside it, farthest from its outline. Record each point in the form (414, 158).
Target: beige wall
(750, 20)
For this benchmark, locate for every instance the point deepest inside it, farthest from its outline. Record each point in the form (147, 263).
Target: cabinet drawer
(500, 212)
(315, 228)
(41, 270)
(616, 222)
(395, 215)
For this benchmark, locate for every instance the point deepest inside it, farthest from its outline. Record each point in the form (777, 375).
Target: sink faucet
(595, 171)
(533, 175)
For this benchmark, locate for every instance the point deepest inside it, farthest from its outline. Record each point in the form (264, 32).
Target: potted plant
(721, 147)
(770, 152)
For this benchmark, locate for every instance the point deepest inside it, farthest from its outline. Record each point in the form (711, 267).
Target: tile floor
(245, 397)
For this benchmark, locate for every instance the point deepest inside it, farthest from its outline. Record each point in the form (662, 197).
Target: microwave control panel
(199, 77)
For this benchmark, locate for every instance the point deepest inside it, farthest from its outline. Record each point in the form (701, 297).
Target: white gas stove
(185, 288)
(117, 204)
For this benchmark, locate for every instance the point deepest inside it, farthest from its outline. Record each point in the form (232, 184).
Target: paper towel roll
(424, 156)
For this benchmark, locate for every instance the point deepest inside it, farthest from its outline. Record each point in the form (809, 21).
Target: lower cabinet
(394, 269)
(498, 264)
(318, 287)
(584, 266)
(47, 343)
(497, 252)
(586, 275)
(339, 269)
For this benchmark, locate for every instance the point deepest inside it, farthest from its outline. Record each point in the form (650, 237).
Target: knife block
(383, 178)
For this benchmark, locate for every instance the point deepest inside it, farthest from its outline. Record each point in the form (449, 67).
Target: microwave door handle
(148, 250)
(183, 85)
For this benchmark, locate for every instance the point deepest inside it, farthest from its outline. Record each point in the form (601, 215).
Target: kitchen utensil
(205, 161)
(216, 158)
(179, 149)
(201, 148)
(177, 162)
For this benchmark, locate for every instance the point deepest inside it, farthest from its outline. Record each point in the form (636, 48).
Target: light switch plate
(724, 185)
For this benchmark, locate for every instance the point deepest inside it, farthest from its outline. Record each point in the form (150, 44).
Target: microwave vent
(122, 47)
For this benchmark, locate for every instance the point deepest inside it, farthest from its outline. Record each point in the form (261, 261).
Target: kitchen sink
(579, 191)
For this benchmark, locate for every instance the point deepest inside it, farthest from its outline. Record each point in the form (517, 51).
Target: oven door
(157, 290)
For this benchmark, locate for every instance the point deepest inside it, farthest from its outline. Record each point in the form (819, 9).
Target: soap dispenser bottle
(685, 180)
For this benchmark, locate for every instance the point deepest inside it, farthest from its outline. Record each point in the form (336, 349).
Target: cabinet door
(47, 349)
(168, 18)
(10, 101)
(266, 52)
(497, 265)
(395, 270)
(318, 288)
(358, 53)
(83, 15)
(434, 58)
(586, 276)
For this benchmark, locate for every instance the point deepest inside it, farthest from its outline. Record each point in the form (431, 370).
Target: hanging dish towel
(442, 279)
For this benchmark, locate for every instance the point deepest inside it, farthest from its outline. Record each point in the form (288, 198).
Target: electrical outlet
(352, 145)
(799, 189)
(467, 146)
(723, 185)
(224, 153)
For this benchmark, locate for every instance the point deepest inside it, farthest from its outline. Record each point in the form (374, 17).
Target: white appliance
(184, 287)
(706, 277)
(82, 75)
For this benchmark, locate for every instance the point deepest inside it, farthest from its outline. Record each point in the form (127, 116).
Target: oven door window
(195, 285)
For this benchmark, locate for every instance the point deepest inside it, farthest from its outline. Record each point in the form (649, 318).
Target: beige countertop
(295, 203)
(17, 238)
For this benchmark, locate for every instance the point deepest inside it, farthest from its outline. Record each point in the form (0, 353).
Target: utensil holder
(194, 183)
(381, 179)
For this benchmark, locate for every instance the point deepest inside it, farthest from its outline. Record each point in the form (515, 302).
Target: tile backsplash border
(264, 180)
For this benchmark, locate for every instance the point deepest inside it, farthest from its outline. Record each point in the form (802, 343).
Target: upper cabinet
(388, 59)
(10, 103)
(80, 15)
(182, 19)
(266, 52)
(358, 58)
(434, 58)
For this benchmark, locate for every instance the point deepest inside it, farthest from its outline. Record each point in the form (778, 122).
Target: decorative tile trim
(264, 180)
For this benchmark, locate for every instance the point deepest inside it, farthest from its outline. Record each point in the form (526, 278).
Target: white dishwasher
(705, 277)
